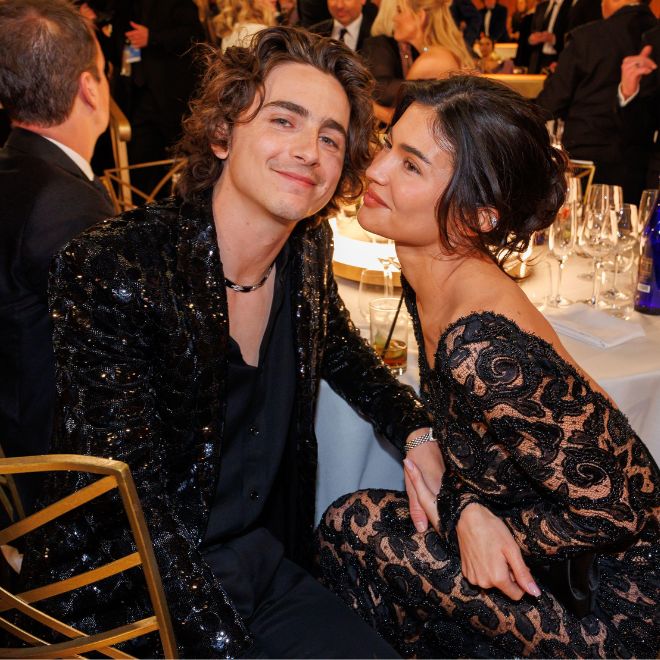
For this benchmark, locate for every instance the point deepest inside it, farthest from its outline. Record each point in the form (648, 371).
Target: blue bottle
(647, 294)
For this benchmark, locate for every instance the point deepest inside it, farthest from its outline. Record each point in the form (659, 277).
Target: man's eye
(281, 121)
(329, 141)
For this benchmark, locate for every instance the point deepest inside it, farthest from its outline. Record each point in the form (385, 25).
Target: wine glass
(599, 234)
(561, 241)
(646, 205)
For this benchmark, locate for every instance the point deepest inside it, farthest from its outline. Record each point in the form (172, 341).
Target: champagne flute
(598, 239)
(561, 241)
(646, 205)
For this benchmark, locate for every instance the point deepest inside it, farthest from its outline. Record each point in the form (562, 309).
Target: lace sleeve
(596, 482)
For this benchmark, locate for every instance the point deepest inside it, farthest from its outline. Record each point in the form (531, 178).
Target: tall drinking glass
(561, 241)
(599, 232)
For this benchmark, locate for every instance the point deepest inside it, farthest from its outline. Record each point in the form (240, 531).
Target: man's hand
(490, 556)
(431, 468)
(138, 36)
(537, 38)
(633, 68)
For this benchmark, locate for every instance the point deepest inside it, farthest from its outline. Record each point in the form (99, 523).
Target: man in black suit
(54, 90)
(157, 76)
(351, 22)
(583, 89)
(467, 19)
(493, 21)
(547, 32)
(639, 100)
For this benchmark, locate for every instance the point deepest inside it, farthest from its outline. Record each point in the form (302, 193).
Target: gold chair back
(113, 475)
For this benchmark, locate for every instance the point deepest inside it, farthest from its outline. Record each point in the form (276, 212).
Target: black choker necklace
(247, 289)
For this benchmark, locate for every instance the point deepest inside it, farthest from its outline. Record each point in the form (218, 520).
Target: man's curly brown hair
(233, 80)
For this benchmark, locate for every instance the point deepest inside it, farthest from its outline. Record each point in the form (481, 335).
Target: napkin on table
(593, 326)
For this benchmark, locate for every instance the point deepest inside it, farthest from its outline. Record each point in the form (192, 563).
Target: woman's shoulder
(436, 62)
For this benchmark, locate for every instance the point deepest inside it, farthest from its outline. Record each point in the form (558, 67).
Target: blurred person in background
(54, 90)
(490, 61)
(154, 75)
(467, 19)
(428, 27)
(386, 58)
(547, 30)
(350, 23)
(582, 91)
(494, 18)
(239, 20)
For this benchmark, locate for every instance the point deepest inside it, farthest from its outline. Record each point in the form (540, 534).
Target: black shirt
(241, 552)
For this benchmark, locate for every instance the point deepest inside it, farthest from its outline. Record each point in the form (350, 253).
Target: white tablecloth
(350, 457)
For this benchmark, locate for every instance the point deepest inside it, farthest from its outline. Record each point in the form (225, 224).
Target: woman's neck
(445, 285)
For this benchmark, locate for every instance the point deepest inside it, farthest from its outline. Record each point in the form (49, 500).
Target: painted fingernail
(533, 589)
(409, 464)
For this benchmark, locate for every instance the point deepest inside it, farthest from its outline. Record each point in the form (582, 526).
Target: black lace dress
(523, 434)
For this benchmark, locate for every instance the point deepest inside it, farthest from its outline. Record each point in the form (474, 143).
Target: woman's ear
(488, 219)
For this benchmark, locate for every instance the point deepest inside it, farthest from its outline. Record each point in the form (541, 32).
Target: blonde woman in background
(239, 20)
(428, 26)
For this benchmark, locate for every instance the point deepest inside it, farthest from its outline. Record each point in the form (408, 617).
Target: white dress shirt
(75, 157)
(352, 32)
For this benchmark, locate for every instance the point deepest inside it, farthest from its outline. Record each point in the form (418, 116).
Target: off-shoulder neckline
(546, 347)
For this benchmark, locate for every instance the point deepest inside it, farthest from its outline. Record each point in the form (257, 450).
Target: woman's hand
(490, 556)
(431, 467)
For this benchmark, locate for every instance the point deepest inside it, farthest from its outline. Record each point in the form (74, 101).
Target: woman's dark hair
(233, 80)
(502, 159)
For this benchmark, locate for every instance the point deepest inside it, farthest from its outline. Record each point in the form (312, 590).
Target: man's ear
(88, 90)
(488, 219)
(221, 144)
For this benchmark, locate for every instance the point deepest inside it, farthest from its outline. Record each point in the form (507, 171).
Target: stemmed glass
(599, 231)
(646, 205)
(561, 241)
(376, 283)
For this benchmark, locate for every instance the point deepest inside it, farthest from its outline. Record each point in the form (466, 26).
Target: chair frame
(114, 475)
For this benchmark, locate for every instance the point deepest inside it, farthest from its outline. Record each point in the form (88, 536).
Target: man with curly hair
(191, 336)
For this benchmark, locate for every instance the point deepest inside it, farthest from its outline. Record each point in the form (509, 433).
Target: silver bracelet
(419, 440)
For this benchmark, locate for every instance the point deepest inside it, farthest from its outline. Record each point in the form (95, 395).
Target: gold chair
(114, 475)
(583, 169)
(124, 195)
(117, 180)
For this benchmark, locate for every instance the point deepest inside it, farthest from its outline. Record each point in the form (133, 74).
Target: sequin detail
(141, 332)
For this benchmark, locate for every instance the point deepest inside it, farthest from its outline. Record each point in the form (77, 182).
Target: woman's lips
(371, 199)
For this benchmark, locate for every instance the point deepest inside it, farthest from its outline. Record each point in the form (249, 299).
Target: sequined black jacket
(141, 338)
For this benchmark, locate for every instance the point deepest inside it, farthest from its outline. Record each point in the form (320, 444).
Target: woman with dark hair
(540, 464)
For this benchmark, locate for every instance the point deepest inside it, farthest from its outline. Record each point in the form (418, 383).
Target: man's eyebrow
(304, 112)
(413, 150)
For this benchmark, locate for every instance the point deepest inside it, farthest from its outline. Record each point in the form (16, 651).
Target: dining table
(351, 457)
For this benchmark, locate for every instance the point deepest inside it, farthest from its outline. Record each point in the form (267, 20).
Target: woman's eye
(410, 166)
